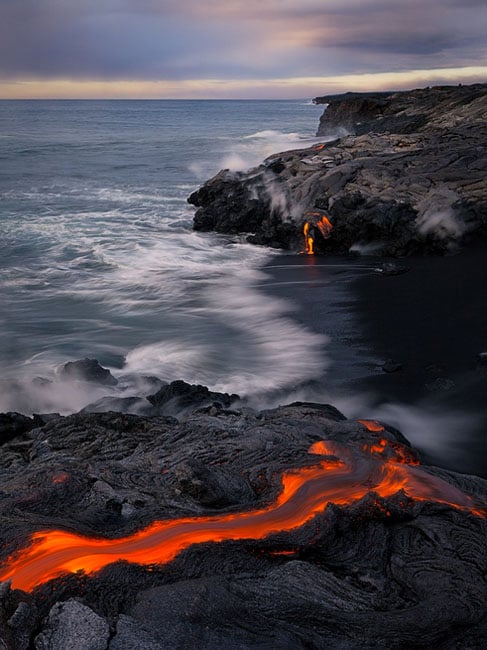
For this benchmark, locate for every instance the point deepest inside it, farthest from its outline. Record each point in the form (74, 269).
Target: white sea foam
(167, 360)
(263, 350)
(125, 196)
(251, 150)
(270, 134)
(370, 248)
(102, 263)
(192, 300)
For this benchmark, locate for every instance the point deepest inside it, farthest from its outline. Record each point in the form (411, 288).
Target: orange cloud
(278, 88)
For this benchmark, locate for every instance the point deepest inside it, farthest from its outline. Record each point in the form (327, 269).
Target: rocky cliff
(413, 181)
(402, 112)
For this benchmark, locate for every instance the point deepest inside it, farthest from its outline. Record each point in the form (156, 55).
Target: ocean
(99, 259)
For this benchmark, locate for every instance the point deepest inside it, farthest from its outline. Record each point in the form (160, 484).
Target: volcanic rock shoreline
(400, 174)
(377, 572)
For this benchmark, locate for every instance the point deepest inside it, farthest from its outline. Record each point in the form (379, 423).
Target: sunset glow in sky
(236, 48)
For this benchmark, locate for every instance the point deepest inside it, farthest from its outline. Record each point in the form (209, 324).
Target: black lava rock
(410, 181)
(13, 425)
(88, 370)
(181, 395)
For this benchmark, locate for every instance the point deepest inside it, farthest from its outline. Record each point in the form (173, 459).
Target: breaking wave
(100, 260)
(250, 150)
(162, 301)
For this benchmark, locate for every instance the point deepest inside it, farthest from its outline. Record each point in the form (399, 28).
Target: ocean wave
(133, 196)
(272, 134)
(250, 150)
(100, 260)
(186, 307)
(263, 349)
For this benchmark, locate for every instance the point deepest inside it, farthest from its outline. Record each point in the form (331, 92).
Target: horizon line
(290, 88)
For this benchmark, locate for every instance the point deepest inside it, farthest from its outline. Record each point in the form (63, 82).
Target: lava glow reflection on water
(342, 476)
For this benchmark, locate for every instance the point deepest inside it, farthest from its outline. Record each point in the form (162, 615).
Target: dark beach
(430, 320)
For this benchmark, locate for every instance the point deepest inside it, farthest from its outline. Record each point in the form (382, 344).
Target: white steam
(441, 434)
(280, 199)
(64, 397)
(234, 162)
(437, 216)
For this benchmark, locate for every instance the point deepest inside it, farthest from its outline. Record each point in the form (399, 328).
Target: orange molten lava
(372, 425)
(308, 240)
(320, 221)
(325, 227)
(279, 553)
(343, 477)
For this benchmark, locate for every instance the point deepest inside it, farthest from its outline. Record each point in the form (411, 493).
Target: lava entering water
(308, 240)
(315, 220)
(342, 476)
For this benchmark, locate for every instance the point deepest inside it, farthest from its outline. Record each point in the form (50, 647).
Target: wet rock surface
(378, 572)
(399, 189)
(87, 370)
(179, 395)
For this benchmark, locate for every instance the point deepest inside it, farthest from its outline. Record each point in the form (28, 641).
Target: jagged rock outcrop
(402, 112)
(73, 625)
(370, 572)
(179, 395)
(87, 370)
(13, 425)
(395, 191)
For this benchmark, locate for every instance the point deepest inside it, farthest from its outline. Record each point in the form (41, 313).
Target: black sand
(431, 320)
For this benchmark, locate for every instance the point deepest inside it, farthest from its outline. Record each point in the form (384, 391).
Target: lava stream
(342, 477)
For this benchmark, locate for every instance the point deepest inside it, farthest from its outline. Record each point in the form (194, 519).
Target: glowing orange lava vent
(315, 221)
(342, 476)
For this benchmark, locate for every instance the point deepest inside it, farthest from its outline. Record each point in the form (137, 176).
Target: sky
(236, 48)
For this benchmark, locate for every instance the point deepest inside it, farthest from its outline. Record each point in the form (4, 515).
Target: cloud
(57, 38)
(185, 40)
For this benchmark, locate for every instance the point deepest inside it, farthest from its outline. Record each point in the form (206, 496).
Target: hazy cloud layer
(235, 39)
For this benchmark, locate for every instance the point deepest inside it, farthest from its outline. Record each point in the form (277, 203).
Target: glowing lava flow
(308, 240)
(342, 477)
(322, 223)
(372, 425)
(324, 226)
